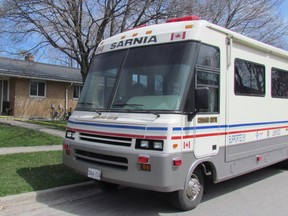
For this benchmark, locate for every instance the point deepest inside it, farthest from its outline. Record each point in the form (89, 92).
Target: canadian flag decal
(187, 145)
(178, 36)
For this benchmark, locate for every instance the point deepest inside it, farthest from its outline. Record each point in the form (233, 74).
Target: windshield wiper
(95, 110)
(129, 105)
(137, 107)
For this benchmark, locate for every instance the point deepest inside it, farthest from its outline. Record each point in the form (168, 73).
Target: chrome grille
(101, 159)
(105, 140)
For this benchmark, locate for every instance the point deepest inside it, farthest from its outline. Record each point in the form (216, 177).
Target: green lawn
(12, 136)
(27, 172)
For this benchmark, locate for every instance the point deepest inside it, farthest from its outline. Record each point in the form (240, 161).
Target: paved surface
(13, 150)
(262, 193)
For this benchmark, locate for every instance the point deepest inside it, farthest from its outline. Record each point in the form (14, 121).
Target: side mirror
(202, 101)
(202, 98)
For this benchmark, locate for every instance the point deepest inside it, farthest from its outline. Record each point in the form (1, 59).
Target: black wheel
(282, 165)
(106, 186)
(192, 194)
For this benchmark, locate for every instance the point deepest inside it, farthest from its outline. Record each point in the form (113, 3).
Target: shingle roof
(36, 70)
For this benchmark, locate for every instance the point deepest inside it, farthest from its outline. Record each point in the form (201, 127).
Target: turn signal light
(143, 159)
(146, 167)
(177, 162)
(66, 148)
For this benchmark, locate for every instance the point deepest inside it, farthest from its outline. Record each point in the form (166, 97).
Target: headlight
(158, 145)
(144, 144)
(70, 134)
(149, 144)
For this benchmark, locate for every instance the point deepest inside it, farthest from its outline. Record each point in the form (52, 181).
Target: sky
(284, 9)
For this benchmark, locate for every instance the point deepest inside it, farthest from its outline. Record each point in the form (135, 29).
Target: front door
(4, 96)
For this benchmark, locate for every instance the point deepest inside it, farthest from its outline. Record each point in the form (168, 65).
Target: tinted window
(208, 73)
(209, 56)
(249, 78)
(279, 83)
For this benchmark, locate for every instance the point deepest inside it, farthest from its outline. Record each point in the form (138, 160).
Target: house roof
(36, 70)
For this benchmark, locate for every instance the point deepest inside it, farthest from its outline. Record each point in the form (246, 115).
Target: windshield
(144, 78)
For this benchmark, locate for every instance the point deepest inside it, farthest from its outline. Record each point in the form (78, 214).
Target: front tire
(192, 194)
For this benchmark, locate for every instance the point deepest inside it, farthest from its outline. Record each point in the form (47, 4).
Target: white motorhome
(166, 106)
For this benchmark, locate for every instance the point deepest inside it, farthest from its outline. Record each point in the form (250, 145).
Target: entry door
(1, 96)
(4, 93)
(207, 135)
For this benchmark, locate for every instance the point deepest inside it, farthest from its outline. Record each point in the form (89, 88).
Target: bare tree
(75, 27)
(254, 18)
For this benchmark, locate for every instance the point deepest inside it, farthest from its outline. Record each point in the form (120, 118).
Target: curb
(47, 196)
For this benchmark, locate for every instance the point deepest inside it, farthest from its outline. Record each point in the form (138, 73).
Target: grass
(26, 172)
(12, 136)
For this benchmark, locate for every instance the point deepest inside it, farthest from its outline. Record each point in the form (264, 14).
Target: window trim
(210, 69)
(37, 94)
(251, 94)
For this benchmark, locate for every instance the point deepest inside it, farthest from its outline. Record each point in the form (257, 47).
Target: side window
(279, 83)
(208, 74)
(209, 56)
(249, 78)
(37, 89)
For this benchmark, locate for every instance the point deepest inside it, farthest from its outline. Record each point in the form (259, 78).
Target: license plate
(94, 173)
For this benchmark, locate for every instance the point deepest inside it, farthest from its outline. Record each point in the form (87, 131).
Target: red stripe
(174, 137)
(156, 137)
(118, 134)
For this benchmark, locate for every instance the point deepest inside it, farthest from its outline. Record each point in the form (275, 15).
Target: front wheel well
(208, 170)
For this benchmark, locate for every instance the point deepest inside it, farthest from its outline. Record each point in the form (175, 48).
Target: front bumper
(120, 166)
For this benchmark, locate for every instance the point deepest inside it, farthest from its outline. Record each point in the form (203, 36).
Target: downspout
(66, 96)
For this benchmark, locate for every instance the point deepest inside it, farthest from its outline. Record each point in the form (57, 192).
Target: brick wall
(25, 106)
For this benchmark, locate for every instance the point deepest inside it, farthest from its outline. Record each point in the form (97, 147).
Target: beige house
(35, 90)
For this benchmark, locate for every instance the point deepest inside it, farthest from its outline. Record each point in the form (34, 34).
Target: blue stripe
(257, 124)
(176, 128)
(157, 128)
(119, 126)
(228, 126)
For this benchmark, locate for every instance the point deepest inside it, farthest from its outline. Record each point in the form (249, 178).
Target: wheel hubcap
(193, 188)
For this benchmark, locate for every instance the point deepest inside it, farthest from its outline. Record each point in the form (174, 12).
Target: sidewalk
(12, 150)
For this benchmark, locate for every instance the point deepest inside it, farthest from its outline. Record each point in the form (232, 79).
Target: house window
(77, 91)
(37, 89)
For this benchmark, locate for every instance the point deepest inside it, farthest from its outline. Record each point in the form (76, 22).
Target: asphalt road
(263, 192)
